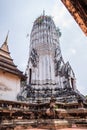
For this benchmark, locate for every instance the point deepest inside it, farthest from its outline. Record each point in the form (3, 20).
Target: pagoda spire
(6, 37)
(5, 44)
(43, 12)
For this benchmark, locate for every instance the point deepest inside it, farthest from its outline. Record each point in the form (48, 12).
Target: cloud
(73, 51)
(61, 15)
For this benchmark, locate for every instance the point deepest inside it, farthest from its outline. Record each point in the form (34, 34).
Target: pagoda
(10, 75)
(47, 73)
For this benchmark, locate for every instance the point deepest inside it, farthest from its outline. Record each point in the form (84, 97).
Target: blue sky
(18, 16)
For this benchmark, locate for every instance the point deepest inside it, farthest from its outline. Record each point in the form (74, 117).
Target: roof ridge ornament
(6, 37)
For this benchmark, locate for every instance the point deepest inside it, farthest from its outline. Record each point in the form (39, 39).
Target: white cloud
(61, 18)
(73, 51)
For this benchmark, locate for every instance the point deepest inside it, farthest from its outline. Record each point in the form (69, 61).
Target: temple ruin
(47, 73)
(47, 96)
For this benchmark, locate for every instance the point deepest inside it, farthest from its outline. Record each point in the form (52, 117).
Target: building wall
(9, 86)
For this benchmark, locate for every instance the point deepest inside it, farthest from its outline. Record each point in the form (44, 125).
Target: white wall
(9, 86)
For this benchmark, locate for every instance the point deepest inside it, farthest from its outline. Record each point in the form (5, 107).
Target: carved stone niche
(34, 57)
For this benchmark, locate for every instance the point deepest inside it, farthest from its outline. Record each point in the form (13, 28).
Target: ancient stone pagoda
(47, 73)
(10, 76)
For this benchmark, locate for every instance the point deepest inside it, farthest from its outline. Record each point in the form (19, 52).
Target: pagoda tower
(10, 75)
(46, 69)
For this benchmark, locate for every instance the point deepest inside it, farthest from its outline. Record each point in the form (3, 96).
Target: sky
(18, 16)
